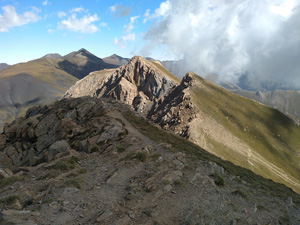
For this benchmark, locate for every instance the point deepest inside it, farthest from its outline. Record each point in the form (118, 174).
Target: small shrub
(121, 148)
(95, 149)
(142, 156)
(9, 200)
(178, 182)
(10, 180)
(73, 183)
(82, 170)
(218, 179)
(241, 193)
(65, 164)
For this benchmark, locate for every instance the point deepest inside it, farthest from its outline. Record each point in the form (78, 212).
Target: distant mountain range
(3, 66)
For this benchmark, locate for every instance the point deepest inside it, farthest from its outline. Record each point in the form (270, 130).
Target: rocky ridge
(95, 161)
(139, 84)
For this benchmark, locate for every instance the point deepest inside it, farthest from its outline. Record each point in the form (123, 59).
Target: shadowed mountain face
(3, 66)
(94, 161)
(82, 62)
(42, 81)
(237, 129)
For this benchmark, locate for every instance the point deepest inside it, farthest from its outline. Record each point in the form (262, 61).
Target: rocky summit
(96, 161)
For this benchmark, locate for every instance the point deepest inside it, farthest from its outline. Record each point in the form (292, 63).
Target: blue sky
(32, 28)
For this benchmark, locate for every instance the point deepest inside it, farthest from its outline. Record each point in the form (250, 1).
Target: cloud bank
(231, 38)
(10, 18)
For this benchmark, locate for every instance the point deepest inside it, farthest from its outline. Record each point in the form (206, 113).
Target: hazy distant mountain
(116, 60)
(232, 127)
(82, 62)
(3, 66)
(52, 56)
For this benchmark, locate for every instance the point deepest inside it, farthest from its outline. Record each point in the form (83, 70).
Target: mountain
(52, 56)
(95, 161)
(82, 62)
(232, 127)
(140, 84)
(3, 66)
(42, 81)
(116, 60)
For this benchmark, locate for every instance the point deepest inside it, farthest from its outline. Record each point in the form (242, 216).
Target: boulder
(57, 147)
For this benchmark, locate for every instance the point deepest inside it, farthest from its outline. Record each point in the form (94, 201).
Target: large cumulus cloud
(231, 37)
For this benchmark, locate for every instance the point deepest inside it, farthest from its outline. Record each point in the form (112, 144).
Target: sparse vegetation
(218, 179)
(95, 149)
(121, 148)
(65, 164)
(142, 156)
(10, 180)
(9, 200)
(73, 183)
(240, 192)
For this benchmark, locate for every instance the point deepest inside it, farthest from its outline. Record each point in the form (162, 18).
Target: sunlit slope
(28, 84)
(246, 132)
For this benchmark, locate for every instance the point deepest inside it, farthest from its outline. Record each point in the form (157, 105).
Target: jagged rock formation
(176, 111)
(139, 84)
(94, 161)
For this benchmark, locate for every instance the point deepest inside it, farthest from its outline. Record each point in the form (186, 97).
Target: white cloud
(163, 10)
(78, 10)
(46, 2)
(125, 39)
(231, 38)
(61, 14)
(113, 8)
(129, 37)
(10, 18)
(130, 26)
(83, 24)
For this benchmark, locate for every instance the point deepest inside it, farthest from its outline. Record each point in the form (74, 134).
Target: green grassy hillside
(256, 136)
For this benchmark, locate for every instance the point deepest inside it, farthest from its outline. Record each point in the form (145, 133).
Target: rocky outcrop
(139, 84)
(48, 131)
(176, 111)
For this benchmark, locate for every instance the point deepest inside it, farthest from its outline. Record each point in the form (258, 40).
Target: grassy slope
(27, 84)
(268, 132)
(177, 143)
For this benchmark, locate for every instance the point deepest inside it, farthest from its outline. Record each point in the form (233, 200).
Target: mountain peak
(139, 83)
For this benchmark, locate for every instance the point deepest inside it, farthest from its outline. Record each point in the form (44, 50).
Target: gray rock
(57, 147)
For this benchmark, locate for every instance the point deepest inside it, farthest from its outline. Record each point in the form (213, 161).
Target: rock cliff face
(176, 111)
(139, 84)
(95, 161)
